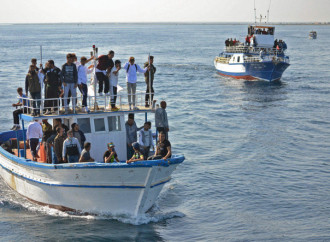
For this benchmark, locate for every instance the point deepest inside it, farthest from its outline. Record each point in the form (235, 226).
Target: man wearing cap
(131, 78)
(110, 155)
(103, 68)
(137, 156)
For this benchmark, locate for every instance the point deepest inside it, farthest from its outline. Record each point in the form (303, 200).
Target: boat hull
(268, 71)
(95, 188)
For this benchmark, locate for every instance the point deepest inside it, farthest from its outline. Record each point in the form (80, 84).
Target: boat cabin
(100, 126)
(264, 35)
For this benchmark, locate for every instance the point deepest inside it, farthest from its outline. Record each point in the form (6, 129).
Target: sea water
(257, 162)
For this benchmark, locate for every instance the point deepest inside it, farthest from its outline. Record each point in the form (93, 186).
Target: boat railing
(253, 50)
(251, 59)
(224, 60)
(56, 106)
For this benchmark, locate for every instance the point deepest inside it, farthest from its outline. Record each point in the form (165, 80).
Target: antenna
(270, 1)
(255, 12)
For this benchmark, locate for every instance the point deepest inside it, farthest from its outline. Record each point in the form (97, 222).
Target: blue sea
(257, 154)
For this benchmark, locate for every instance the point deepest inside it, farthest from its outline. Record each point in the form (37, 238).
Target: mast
(150, 101)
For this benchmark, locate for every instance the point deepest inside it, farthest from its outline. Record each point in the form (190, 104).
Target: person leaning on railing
(22, 103)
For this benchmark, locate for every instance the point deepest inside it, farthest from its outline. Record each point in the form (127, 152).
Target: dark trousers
(84, 91)
(130, 152)
(51, 92)
(16, 114)
(103, 79)
(33, 146)
(36, 104)
(145, 152)
(148, 95)
(113, 97)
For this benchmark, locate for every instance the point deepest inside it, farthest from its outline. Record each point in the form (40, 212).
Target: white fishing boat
(259, 57)
(93, 187)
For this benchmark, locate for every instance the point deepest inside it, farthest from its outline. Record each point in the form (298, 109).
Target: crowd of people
(231, 42)
(70, 146)
(56, 83)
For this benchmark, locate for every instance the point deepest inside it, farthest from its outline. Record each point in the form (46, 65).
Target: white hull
(112, 188)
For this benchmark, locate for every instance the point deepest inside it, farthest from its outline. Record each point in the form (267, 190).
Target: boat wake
(10, 200)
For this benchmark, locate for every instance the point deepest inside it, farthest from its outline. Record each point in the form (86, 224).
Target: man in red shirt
(103, 68)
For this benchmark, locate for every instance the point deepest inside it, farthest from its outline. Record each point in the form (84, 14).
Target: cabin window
(99, 124)
(84, 125)
(238, 59)
(114, 123)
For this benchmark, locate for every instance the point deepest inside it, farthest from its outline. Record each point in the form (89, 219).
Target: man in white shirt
(131, 78)
(145, 139)
(82, 80)
(33, 134)
(113, 84)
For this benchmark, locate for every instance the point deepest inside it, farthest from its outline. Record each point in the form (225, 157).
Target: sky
(84, 11)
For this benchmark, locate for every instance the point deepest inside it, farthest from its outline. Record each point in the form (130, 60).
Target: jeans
(103, 79)
(73, 158)
(84, 91)
(130, 152)
(70, 86)
(131, 90)
(36, 104)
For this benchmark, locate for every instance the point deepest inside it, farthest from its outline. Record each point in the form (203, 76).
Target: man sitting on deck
(71, 149)
(137, 156)
(19, 111)
(163, 148)
(110, 155)
(85, 155)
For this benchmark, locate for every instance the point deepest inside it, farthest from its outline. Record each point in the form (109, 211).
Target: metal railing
(36, 107)
(253, 50)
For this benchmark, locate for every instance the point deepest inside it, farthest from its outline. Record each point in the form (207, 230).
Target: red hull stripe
(239, 77)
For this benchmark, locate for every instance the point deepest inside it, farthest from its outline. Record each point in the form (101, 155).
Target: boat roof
(263, 26)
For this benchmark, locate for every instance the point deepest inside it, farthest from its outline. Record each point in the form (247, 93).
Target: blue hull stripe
(81, 186)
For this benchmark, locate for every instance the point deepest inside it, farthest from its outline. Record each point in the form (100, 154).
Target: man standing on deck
(47, 131)
(53, 85)
(33, 134)
(161, 119)
(69, 77)
(131, 78)
(150, 84)
(103, 68)
(33, 85)
(71, 149)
